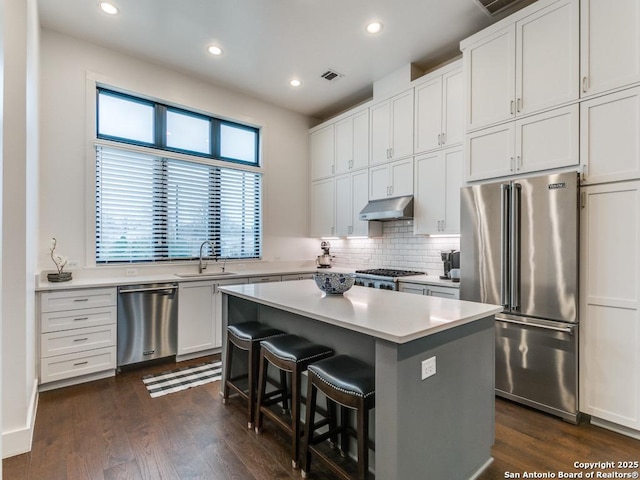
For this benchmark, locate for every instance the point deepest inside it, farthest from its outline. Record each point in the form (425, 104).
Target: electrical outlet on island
(428, 368)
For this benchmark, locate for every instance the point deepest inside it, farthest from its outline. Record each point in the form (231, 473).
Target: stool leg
(295, 415)
(252, 365)
(227, 371)
(310, 418)
(262, 386)
(333, 423)
(344, 434)
(363, 440)
(285, 397)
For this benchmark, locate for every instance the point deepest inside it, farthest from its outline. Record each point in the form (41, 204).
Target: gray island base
(441, 427)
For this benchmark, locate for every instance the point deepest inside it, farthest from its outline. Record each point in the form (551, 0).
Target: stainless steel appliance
(324, 260)
(383, 278)
(519, 249)
(147, 322)
(450, 261)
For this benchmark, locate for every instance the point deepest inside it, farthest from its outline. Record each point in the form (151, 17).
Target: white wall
(67, 163)
(19, 223)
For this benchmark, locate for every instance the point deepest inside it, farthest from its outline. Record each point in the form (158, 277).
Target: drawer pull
(149, 352)
(81, 339)
(80, 299)
(80, 363)
(79, 319)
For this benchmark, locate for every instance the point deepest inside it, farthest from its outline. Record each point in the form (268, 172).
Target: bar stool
(247, 336)
(288, 353)
(350, 383)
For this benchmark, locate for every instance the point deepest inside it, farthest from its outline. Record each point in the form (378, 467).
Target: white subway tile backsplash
(398, 247)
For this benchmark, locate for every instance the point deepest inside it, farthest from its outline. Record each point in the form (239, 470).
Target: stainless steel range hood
(397, 208)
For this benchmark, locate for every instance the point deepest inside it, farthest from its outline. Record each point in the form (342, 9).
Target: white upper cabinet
(392, 128)
(439, 110)
(352, 142)
(393, 179)
(438, 178)
(352, 195)
(323, 208)
(524, 67)
(610, 44)
(322, 152)
(610, 137)
(540, 142)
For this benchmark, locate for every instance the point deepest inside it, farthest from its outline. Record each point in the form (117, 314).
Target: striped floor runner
(183, 378)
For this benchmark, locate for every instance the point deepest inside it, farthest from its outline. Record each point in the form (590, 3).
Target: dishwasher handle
(167, 289)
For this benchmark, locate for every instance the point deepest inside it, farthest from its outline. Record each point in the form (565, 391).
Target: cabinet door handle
(391, 190)
(78, 319)
(585, 84)
(439, 139)
(80, 363)
(81, 339)
(391, 153)
(511, 108)
(80, 299)
(388, 153)
(333, 169)
(519, 163)
(444, 225)
(511, 164)
(519, 105)
(443, 139)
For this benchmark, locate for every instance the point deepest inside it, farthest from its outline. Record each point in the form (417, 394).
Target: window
(188, 184)
(128, 119)
(150, 208)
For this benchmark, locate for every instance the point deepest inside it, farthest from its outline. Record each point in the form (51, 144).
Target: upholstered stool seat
(288, 353)
(247, 336)
(350, 383)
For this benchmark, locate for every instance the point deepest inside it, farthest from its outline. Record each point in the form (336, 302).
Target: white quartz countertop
(394, 316)
(214, 273)
(429, 280)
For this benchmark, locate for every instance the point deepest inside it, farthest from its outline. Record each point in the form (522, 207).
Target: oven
(382, 278)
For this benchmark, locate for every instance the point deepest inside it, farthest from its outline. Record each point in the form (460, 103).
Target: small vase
(59, 277)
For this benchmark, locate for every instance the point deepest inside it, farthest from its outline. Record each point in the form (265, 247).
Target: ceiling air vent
(492, 7)
(331, 75)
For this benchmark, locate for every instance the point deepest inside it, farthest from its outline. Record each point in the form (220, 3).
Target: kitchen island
(441, 427)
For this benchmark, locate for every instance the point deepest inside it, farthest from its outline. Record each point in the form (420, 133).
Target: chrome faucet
(201, 267)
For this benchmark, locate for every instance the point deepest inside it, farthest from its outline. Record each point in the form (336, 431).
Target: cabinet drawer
(67, 320)
(443, 292)
(77, 340)
(77, 299)
(76, 364)
(270, 278)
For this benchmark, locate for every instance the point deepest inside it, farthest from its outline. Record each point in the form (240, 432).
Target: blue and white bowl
(334, 283)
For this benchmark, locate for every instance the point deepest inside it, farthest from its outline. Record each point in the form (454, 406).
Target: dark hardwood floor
(112, 429)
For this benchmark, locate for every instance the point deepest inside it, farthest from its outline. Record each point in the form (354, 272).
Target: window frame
(95, 85)
(160, 129)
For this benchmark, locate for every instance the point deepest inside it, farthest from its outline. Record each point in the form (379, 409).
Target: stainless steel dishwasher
(147, 322)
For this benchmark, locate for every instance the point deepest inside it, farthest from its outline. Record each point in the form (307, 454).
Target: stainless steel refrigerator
(519, 249)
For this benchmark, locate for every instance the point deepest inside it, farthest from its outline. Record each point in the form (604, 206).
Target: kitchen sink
(202, 275)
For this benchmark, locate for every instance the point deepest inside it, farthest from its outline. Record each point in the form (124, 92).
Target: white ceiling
(268, 42)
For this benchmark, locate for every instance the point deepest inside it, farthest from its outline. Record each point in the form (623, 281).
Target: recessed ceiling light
(109, 8)
(374, 27)
(295, 82)
(215, 50)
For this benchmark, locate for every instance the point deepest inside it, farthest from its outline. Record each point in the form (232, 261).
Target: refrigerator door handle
(504, 244)
(514, 224)
(509, 319)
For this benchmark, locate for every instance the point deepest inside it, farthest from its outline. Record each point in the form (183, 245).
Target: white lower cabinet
(610, 137)
(430, 290)
(200, 316)
(610, 305)
(197, 330)
(77, 335)
(540, 142)
(438, 178)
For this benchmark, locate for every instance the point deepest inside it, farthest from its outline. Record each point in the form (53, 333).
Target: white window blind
(150, 208)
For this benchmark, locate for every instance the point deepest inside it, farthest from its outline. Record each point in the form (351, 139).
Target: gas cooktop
(388, 272)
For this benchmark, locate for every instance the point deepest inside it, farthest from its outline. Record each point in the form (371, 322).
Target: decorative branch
(59, 260)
